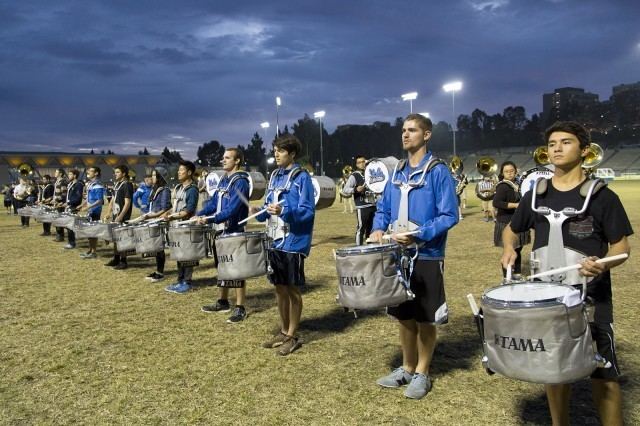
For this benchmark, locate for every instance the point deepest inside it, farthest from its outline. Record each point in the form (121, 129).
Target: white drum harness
(277, 229)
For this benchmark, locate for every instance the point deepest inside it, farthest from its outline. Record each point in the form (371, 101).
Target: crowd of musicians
(419, 205)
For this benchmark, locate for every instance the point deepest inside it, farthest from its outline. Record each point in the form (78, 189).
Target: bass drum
(257, 186)
(212, 180)
(324, 191)
(529, 177)
(377, 172)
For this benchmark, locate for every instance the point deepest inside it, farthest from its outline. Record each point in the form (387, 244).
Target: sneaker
(398, 377)
(69, 246)
(58, 239)
(220, 306)
(91, 255)
(150, 276)
(275, 341)
(420, 386)
(112, 262)
(157, 278)
(181, 287)
(121, 266)
(45, 234)
(289, 345)
(239, 314)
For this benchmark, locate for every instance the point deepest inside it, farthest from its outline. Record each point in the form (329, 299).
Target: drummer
(159, 204)
(120, 209)
(59, 198)
(601, 231)
(232, 194)
(290, 223)
(432, 207)
(74, 200)
(46, 200)
(93, 204)
(365, 204)
(186, 202)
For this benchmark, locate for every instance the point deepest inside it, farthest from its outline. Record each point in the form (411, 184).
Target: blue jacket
(298, 209)
(95, 192)
(141, 197)
(161, 200)
(233, 209)
(432, 206)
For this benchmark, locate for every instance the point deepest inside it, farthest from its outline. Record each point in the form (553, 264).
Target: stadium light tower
(453, 87)
(265, 126)
(412, 96)
(278, 103)
(320, 115)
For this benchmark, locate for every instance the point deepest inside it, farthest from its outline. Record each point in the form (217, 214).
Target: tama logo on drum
(173, 244)
(353, 281)
(519, 344)
(225, 258)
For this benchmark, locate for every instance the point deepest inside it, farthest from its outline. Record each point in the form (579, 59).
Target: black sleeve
(128, 191)
(500, 200)
(523, 219)
(615, 222)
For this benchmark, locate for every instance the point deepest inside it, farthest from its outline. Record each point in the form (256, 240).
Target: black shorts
(288, 268)
(602, 334)
(430, 304)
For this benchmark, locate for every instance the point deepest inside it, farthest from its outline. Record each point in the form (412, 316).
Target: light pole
(265, 126)
(278, 103)
(319, 115)
(453, 87)
(410, 97)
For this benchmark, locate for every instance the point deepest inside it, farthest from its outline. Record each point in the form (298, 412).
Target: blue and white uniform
(95, 192)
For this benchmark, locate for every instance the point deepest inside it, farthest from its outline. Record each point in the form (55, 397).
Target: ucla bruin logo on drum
(519, 344)
(376, 175)
(354, 281)
(225, 258)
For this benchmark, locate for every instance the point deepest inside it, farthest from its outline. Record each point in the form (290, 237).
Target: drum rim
(367, 249)
(497, 303)
(241, 234)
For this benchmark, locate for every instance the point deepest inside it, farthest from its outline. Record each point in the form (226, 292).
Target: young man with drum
(228, 207)
(120, 210)
(420, 198)
(75, 191)
(290, 213)
(365, 204)
(59, 198)
(186, 203)
(93, 204)
(46, 200)
(600, 231)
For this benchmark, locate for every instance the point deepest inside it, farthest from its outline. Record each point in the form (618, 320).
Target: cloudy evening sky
(128, 74)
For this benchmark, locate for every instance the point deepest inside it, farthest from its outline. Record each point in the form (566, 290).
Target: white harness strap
(277, 229)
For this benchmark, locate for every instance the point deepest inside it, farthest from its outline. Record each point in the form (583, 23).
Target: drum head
(373, 248)
(376, 175)
(532, 294)
(530, 176)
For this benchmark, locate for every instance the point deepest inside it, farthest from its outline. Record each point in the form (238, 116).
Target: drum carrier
(277, 229)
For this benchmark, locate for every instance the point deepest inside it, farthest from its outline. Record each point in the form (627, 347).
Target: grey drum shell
(149, 238)
(257, 186)
(123, 238)
(324, 191)
(187, 242)
(537, 341)
(241, 255)
(64, 220)
(99, 230)
(370, 277)
(46, 216)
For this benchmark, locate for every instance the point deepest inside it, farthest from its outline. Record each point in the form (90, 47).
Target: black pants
(365, 223)
(160, 260)
(46, 227)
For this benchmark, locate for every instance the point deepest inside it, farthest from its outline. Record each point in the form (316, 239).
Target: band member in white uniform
(363, 198)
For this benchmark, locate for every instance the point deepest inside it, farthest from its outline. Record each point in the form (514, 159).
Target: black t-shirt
(124, 190)
(505, 194)
(604, 222)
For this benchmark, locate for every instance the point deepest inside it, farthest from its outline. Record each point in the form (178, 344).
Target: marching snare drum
(537, 332)
(241, 255)
(124, 239)
(149, 239)
(324, 191)
(99, 230)
(65, 220)
(187, 242)
(529, 177)
(371, 277)
(377, 172)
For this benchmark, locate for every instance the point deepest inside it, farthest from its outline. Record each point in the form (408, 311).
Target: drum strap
(224, 191)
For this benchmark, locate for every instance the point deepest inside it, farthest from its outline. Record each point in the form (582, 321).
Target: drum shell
(257, 186)
(123, 238)
(377, 172)
(370, 278)
(149, 238)
(548, 344)
(64, 221)
(241, 255)
(187, 243)
(99, 230)
(47, 217)
(324, 191)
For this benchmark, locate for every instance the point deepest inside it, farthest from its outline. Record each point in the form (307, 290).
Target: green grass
(82, 343)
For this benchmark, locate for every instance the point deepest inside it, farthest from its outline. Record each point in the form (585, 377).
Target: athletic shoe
(91, 255)
(239, 314)
(181, 287)
(150, 276)
(121, 266)
(289, 345)
(58, 239)
(45, 234)
(157, 278)
(275, 341)
(398, 377)
(112, 262)
(221, 305)
(420, 386)
(69, 246)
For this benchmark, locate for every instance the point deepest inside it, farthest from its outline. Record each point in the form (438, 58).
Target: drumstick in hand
(258, 213)
(193, 219)
(576, 266)
(390, 236)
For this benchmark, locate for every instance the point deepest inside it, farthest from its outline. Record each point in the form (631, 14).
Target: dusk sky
(124, 75)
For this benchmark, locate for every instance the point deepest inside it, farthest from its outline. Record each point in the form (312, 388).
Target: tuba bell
(594, 157)
(346, 170)
(486, 188)
(456, 165)
(25, 169)
(487, 166)
(541, 155)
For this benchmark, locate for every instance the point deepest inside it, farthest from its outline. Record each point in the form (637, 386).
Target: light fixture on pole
(265, 126)
(412, 96)
(453, 87)
(320, 115)
(278, 103)
(424, 114)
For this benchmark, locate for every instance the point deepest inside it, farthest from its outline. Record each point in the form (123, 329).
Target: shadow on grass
(334, 322)
(341, 240)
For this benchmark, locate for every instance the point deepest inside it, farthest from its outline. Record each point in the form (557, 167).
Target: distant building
(568, 103)
(626, 101)
(46, 163)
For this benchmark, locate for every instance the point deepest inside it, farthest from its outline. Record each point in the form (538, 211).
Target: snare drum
(241, 255)
(187, 242)
(65, 220)
(149, 239)
(124, 239)
(529, 177)
(371, 277)
(324, 191)
(99, 230)
(537, 332)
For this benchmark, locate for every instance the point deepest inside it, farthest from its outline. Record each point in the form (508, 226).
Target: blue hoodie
(432, 206)
(298, 209)
(233, 209)
(141, 197)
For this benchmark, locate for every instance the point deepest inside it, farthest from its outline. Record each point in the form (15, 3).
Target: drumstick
(472, 303)
(256, 214)
(577, 266)
(390, 236)
(182, 222)
(242, 198)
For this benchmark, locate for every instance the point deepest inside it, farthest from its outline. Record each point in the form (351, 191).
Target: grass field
(82, 343)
